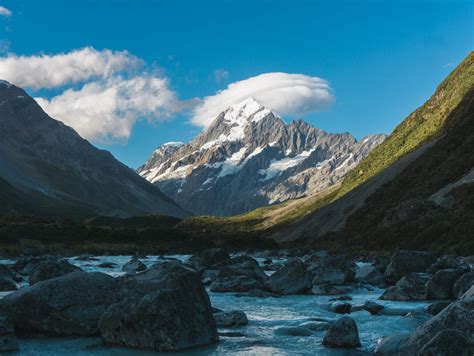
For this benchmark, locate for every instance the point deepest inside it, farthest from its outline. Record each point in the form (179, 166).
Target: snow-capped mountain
(248, 157)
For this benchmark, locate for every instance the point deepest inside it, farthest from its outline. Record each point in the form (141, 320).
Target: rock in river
(8, 339)
(343, 333)
(50, 268)
(410, 287)
(231, 318)
(293, 278)
(404, 261)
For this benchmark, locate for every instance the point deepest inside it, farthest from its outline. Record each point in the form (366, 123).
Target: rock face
(441, 284)
(343, 333)
(293, 278)
(164, 308)
(248, 158)
(463, 284)
(49, 170)
(8, 339)
(405, 261)
(231, 318)
(67, 305)
(370, 275)
(410, 287)
(458, 317)
(50, 268)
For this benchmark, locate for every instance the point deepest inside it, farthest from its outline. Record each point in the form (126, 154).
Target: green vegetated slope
(422, 125)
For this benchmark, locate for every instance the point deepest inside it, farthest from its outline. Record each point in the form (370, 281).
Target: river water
(265, 316)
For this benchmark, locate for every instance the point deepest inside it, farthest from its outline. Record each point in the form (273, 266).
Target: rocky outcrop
(50, 268)
(164, 308)
(67, 305)
(405, 261)
(248, 158)
(343, 333)
(410, 287)
(293, 278)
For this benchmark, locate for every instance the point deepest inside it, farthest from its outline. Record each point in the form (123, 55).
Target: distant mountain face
(248, 158)
(47, 169)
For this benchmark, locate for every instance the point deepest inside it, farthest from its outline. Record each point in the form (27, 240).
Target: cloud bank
(4, 11)
(287, 94)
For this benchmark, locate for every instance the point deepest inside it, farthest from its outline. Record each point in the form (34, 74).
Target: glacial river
(265, 316)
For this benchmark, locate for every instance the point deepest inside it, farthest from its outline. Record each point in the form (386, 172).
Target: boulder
(107, 265)
(164, 308)
(8, 339)
(463, 284)
(316, 326)
(436, 307)
(231, 318)
(134, 265)
(207, 258)
(372, 307)
(447, 342)
(328, 269)
(293, 331)
(404, 261)
(343, 333)
(390, 345)
(50, 268)
(293, 278)
(459, 316)
(340, 308)
(440, 285)
(449, 262)
(66, 305)
(329, 289)
(369, 275)
(410, 287)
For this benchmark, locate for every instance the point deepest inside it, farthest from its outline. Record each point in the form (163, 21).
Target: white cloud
(107, 110)
(220, 75)
(4, 11)
(287, 94)
(49, 71)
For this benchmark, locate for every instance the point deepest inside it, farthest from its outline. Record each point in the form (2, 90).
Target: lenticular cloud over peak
(287, 94)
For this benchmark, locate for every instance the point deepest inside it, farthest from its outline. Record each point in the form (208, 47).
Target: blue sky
(381, 58)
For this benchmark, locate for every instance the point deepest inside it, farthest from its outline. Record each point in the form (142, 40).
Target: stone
(293, 331)
(329, 269)
(208, 258)
(404, 262)
(458, 316)
(370, 275)
(8, 339)
(463, 284)
(329, 289)
(390, 345)
(436, 307)
(316, 326)
(441, 284)
(49, 269)
(133, 266)
(231, 318)
(293, 278)
(447, 342)
(164, 308)
(343, 333)
(340, 308)
(372, 307)
(410, 287)
(68, 305)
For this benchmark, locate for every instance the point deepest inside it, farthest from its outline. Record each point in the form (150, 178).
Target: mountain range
(248, 158)
(47, 169)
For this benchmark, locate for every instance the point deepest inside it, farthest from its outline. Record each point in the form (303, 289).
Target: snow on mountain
(248, 157)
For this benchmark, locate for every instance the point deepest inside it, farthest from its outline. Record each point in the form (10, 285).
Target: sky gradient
(382, 59)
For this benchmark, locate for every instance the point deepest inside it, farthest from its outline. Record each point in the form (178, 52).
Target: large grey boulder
(369, 275)
(405, 261)
(8, 339)
(207, 258)
(441, 284)
(164, 308)
(231, 318)
(447, 343)
(463, 284)
(134, 265)
(331, 269)
(436, 307)
(340, 308)
(372, 307)
(66, 305)
(410, 287)
(293, 278)
(50, 268)
(343, 333)
(240, 274)
(390, 345)
(458, 316)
